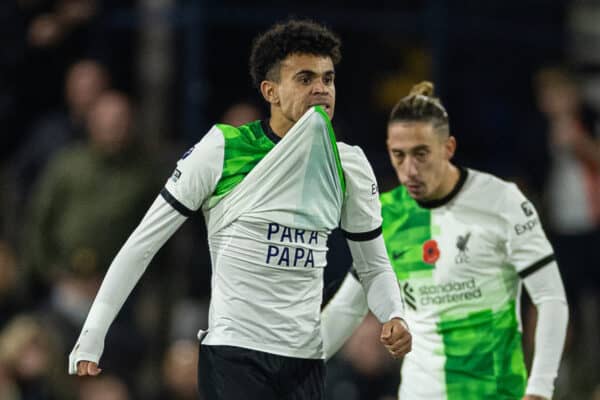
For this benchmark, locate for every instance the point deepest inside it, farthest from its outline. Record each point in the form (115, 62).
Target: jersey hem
(280, 351)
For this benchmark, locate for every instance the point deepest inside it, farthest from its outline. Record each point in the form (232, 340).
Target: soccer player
(271, 192)
(462, 243)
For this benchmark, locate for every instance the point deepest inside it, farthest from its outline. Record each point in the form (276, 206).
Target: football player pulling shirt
(269, 209)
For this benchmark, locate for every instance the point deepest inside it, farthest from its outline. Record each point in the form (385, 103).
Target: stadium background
(183, 66)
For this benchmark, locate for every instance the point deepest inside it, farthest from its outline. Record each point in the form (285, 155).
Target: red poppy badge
(431, 251)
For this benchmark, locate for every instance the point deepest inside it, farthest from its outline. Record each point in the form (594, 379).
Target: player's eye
(421, 155)
(398, 156)
(304, 79)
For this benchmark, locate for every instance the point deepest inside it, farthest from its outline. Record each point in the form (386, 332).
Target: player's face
(421, 158)
(305, 80)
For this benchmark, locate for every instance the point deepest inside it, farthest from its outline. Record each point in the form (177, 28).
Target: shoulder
(362, 209)
(487, 189)
(249, 132)
(502, 197)
(349, 153)
(245, 140)
(357, 169)
(484, 180)
(213, 141)
(392, 196)
(353, 159)
(396, 196)
(494, 185)
(397, 202)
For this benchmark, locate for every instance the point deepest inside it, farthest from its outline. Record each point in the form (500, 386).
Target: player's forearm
(547, 293)
(159, 223)
(342, 315)
(549, 341)
(378, 280)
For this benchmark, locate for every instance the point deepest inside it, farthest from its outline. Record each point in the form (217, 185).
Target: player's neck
(279, 124)
(449, 183)
(453, 182)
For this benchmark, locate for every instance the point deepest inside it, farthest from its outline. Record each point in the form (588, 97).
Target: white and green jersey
(269, 210)
(269, 206)
(459, 262)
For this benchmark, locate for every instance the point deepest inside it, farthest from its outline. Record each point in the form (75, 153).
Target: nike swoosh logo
(398, 254)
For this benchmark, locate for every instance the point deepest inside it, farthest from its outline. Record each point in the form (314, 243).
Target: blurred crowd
(77, 175)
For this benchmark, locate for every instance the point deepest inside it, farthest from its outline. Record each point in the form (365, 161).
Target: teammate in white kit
(271, 192)
(462, 243)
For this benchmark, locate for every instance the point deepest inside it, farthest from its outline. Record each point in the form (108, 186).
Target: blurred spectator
(45, 31)
(90, 198)
(89, 190)
(188, 315)
(179, 371)
(53, 21)
(84, 82)
(104, 387)
(56, 33)
(241, 113)
(364, 370)
(29, 361)
(571, 194)
(574, 145)
(73, 13)
(11, 301)
(8, 388)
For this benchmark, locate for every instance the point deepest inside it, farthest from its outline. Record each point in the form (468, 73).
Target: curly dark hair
(283, 39)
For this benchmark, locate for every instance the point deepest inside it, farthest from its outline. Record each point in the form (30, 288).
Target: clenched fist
(88, 368)
(396, 337)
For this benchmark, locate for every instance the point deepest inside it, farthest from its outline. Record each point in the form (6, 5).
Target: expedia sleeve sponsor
(527, 208)
(525, 240)
(527, 226)
(520, 212)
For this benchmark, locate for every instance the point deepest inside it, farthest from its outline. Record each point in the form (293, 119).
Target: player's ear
(269, 91)
(450, 147)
